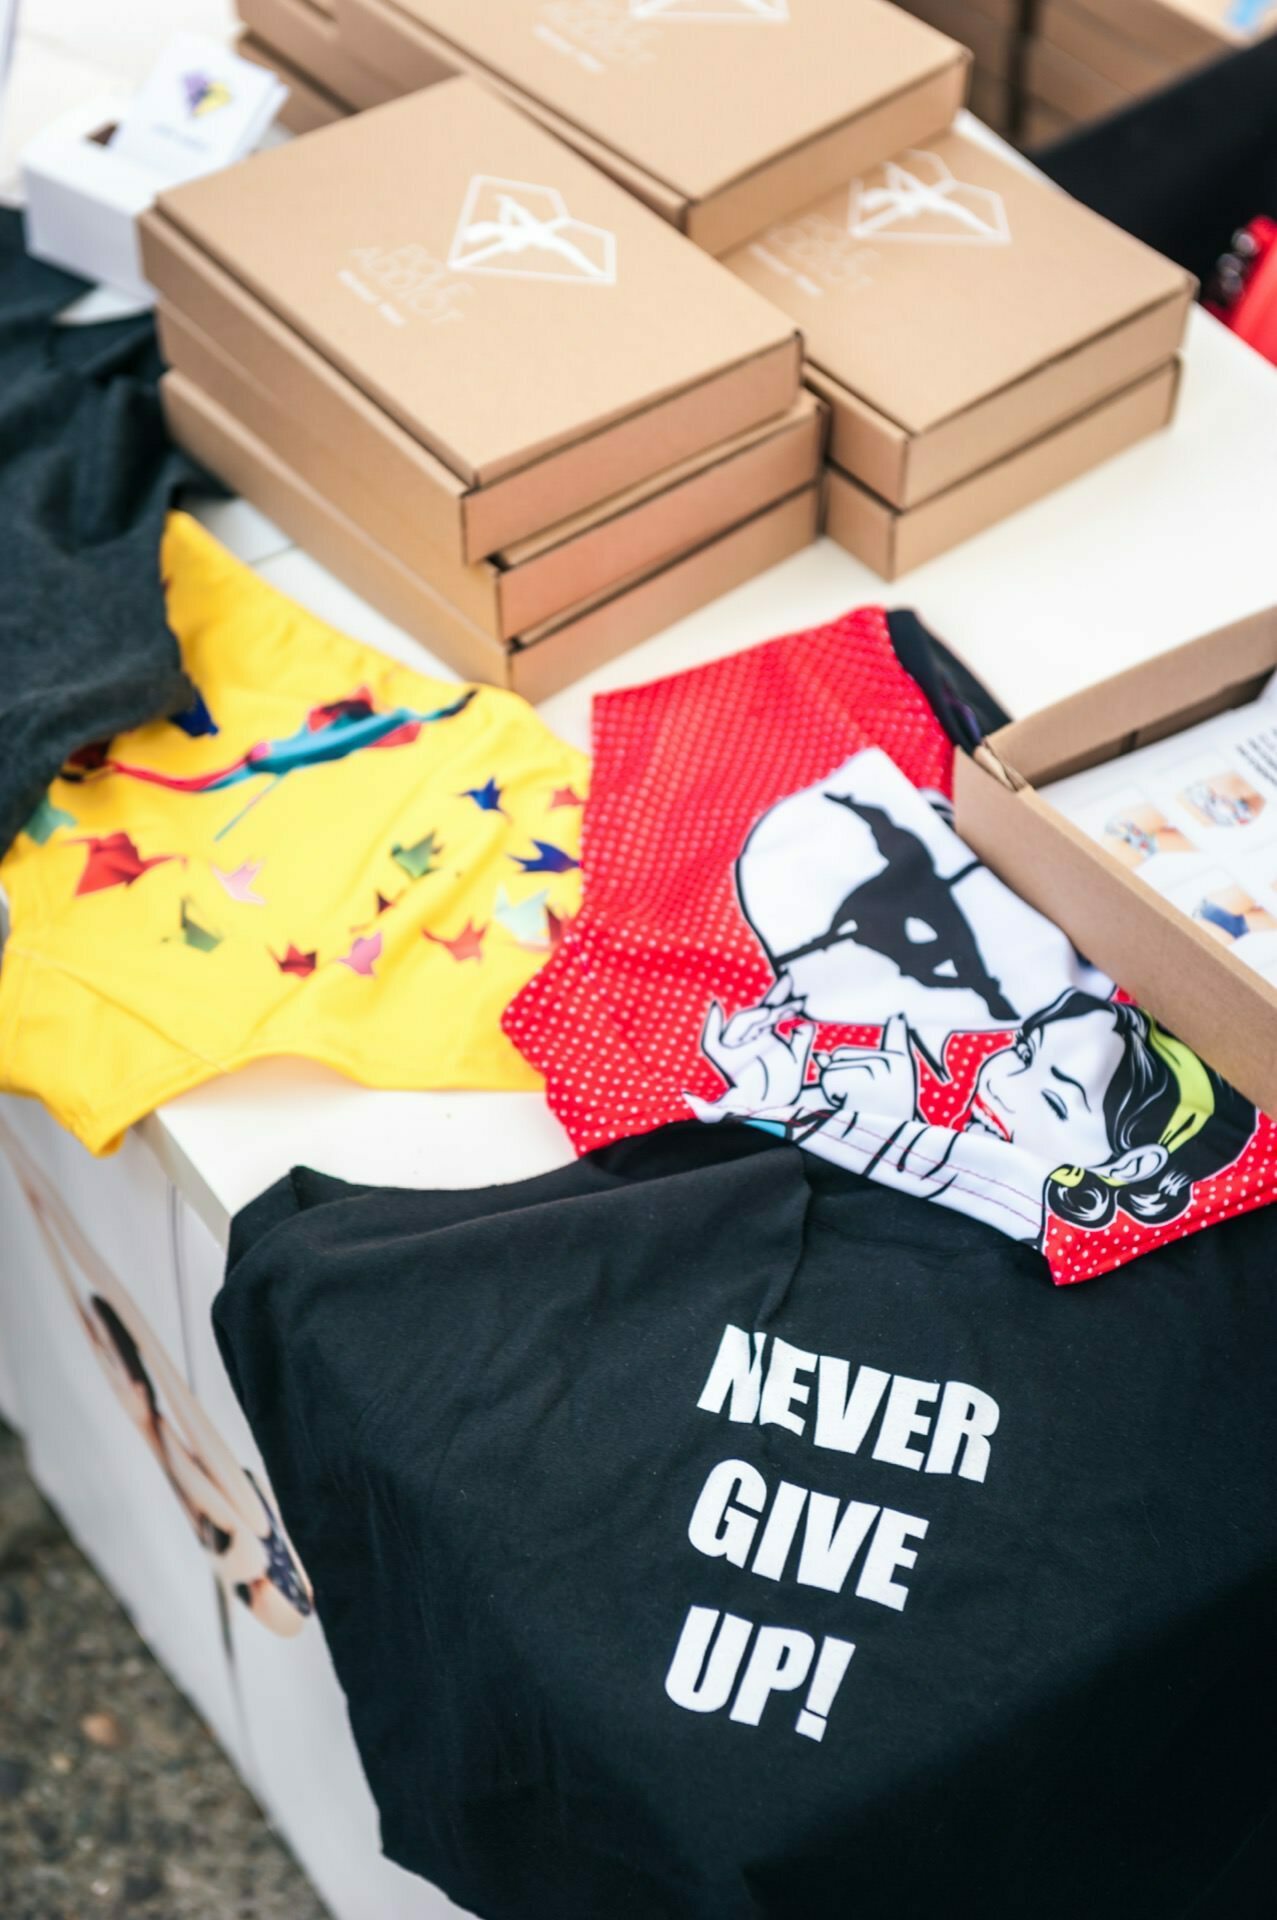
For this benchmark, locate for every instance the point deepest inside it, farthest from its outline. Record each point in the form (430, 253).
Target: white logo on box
(707, 10)
(525, 232)
(922, 202)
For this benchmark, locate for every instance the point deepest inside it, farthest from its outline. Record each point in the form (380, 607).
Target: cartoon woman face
(1045, 1093)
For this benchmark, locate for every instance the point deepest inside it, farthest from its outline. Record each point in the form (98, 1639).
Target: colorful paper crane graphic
(328, 733)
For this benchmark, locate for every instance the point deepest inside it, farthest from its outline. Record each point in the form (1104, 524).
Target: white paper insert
(1195, 818)
(200, 108)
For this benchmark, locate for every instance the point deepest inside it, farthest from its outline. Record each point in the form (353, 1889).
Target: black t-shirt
(87, 474)
(600, 1476)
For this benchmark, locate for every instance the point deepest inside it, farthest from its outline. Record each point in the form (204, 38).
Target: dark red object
(1243, 289)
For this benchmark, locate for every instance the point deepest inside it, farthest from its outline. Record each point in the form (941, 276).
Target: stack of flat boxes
(301, 41)
(992, 29)
(531, 482)
(1088, 58)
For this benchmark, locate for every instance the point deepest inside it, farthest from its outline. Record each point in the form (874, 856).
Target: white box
(83, 199)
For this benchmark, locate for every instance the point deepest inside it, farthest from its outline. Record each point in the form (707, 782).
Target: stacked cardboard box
(992, 31)
(979, 338)
(974, 337)
(1087, 58)
(498, 394)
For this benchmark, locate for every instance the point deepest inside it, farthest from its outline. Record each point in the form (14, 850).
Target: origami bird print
(466, 945)
(46, 820)
(192, 934)
(421, 858)
(487, 797)
(114, 861)
(565, 797)
(525, 920)
(292, 960)
(363, 955)
(195, 721)
(557, 927)
(547, 859)
(239, 884)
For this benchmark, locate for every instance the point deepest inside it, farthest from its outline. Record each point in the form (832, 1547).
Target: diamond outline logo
(771, 12)
(978, 213)
(487, 245)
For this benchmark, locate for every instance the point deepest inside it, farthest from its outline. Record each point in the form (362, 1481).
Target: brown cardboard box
(892, 542)
(1195, 987)
(1040, 124)
(992, 100)
(1104, 46)
(553, 572)
(309, 38)
(521, 337)
(943, 340)
(546, 659)
(721, 114)
(1068, 85)
(992, 42)
(307, 107)
(1181, 32)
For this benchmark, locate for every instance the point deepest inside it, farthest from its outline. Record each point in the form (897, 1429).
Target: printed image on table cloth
(780, 928)
(1003, 1078)
(231, 1512)
(326, 854)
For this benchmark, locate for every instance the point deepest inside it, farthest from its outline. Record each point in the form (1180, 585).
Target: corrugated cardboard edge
(909, 469)
(893, 542)
(559, 655)
(1174, 969)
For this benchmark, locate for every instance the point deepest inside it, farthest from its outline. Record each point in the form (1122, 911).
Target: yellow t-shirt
(327, 855)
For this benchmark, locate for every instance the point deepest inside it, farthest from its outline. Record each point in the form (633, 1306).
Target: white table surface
(1173, 537)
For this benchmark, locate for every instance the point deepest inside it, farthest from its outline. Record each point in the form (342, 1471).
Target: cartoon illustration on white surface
(916, 198)
(525, 232)
(770, 10)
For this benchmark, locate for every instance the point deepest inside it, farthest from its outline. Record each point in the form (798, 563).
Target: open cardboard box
(955, 307)
(553, 572)
(545, 659)
(1174, 969)
(892, 541)
(720, 116)
(309, 38)
(507, 354)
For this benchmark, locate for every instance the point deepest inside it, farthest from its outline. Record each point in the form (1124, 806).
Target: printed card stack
(979, 337)
(485, 384)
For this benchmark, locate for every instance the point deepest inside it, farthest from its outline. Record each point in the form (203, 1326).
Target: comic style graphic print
(780, 929)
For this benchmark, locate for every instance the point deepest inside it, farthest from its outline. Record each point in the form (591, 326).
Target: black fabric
(962, 704)
(1185, 167)
(480, 1414)
(86, 475)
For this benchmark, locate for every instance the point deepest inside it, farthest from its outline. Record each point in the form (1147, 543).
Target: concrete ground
(115, 1801)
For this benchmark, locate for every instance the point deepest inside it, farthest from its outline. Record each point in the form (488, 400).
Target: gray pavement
(115, 1801)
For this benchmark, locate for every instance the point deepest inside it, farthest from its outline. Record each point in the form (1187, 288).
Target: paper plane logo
(772, 10)
(204, 95)
(917, 199)
(525, 232)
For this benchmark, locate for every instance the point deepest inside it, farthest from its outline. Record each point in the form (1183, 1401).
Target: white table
(1170, 539)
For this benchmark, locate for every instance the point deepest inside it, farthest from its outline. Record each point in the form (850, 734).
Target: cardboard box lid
(697, 92)
(487, 287)
(944, 277)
